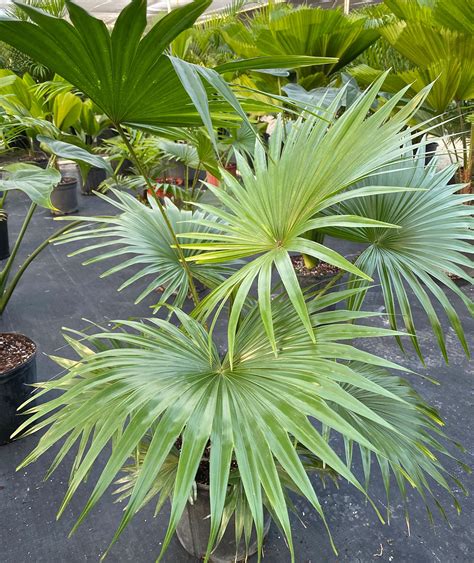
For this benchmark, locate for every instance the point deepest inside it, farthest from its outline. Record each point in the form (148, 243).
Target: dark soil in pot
(95, 177)
(318, 276)
(4, 244)
(315, 278)
(64, 196)
(17, 372)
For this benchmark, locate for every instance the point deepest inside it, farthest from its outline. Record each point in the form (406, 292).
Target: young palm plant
(256, 420)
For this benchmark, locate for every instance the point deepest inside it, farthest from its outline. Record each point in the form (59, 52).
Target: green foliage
(15, 59)
(302, 31)
(267, 216)
(140, 231)
(128, 76)
(264, 409)
(253, 407)
(81, 156)
(50, 108)
(35, 182)
(438, 53)
(432, 241)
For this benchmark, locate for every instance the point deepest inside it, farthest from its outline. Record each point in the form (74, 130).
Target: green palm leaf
(127, 74)
(440, 49)
(159, 383)
(266, 216)
(432, 241)
(139, 234)
(297, 32)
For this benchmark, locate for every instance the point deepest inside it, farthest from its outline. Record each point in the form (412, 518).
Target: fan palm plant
(172, 396)
(257, 418)
(438, 49)
(302, 31)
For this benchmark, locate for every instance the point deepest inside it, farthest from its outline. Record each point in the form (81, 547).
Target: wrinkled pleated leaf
(124, 71)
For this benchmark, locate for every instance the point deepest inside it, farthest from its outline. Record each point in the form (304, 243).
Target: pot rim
(7, 374)
(67, 181)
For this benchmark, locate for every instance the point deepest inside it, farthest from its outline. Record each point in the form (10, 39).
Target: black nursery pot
(94, 178)
(4, 244)
(194, 527)
(15, 390)
(64, 196)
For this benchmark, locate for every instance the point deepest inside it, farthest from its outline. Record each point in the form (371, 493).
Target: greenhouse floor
(58, 291)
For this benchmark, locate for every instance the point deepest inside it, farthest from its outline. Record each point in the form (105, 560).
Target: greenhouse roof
(108, 10)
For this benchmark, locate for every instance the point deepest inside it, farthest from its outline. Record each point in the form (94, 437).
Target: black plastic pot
(95, 177)
(64, 196)
(125, 168)
(194, 526)
(430, 152)
(14, 391)
(4, 245)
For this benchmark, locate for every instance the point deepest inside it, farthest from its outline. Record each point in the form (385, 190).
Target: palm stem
(151, 189)
(195, 180)
(8, 291)
(8, 266)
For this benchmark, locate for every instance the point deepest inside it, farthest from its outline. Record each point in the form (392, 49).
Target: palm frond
(162, 385)
(267, 215)
(127, 74)
(139, 238)
(432, 241)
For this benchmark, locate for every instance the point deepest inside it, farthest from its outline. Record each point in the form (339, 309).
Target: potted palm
(230, 434)
(253, 422)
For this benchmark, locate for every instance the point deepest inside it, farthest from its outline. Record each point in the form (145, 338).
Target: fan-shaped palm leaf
(267, 215)
(303, 31)
(128, 76)
(432, 240)
(139, 233)
(440, 52)
(154, 379)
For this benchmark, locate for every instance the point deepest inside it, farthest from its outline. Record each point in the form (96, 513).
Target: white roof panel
(108, 10)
